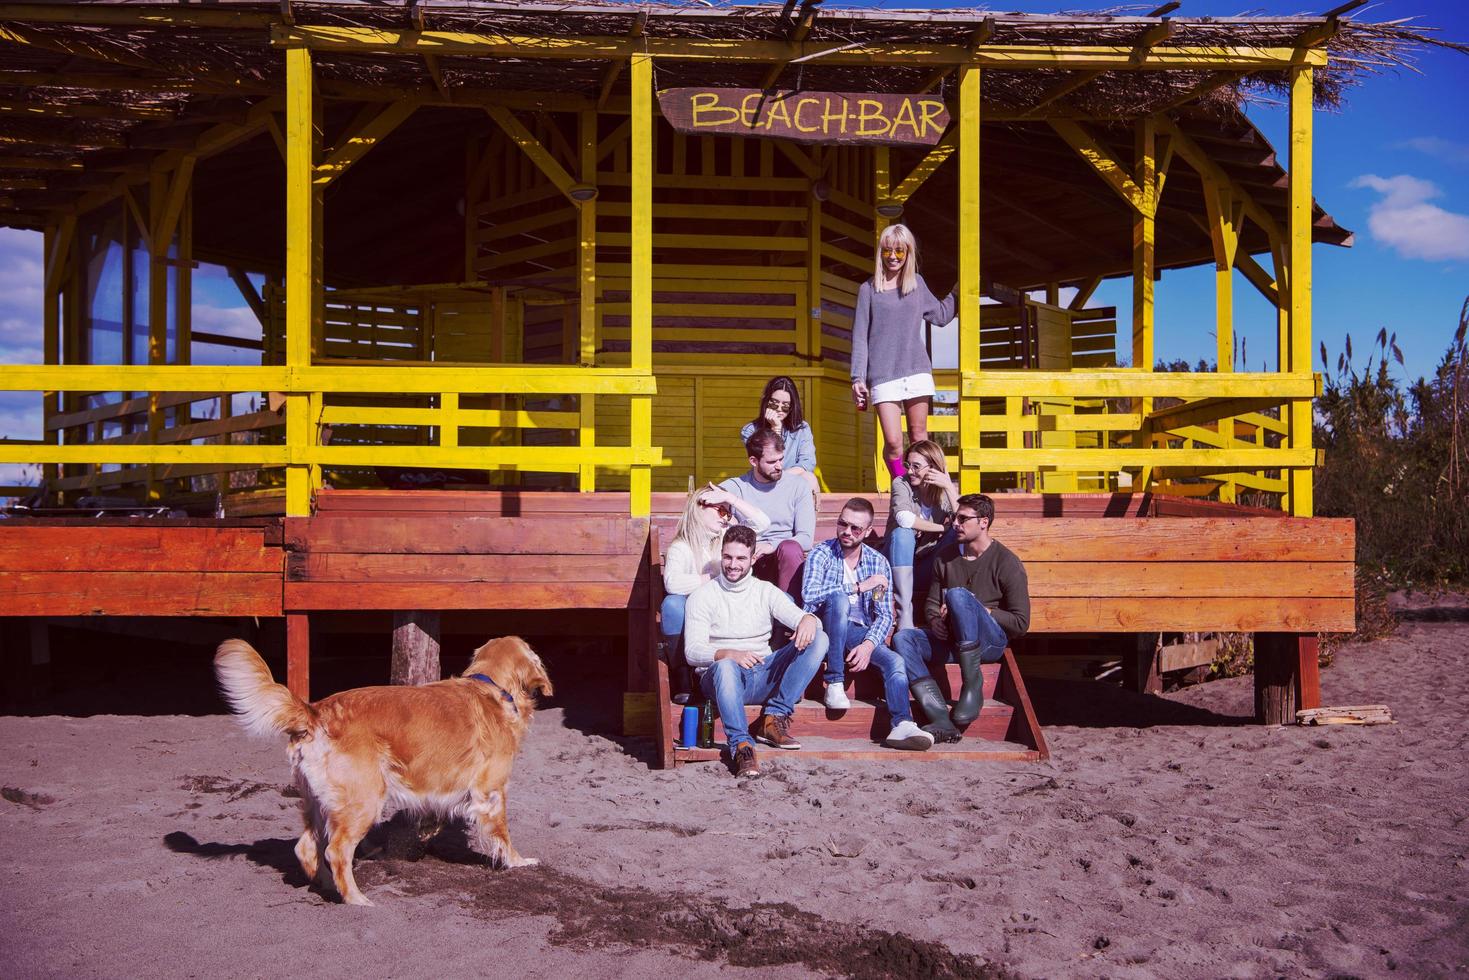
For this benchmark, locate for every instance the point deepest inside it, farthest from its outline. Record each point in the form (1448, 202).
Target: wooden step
(869, 721)
(868, 684)
(820, 747)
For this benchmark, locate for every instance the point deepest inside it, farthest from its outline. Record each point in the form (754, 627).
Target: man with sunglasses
(979, 601)
(783, 497)
(846, 584)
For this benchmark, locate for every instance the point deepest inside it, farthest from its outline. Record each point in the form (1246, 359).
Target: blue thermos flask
(688, 733)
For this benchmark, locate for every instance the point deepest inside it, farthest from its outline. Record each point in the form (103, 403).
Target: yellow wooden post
(1224, 215)
(587, 264)
(640, 75)
(969, 272)
(1144, 241)
(1301, 504)
(52, 244)
(303, 264)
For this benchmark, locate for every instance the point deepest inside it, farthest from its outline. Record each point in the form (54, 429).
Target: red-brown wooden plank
(140, 594)
(338, 567)
(1238, 615)
(446, 595)
(298, 655)
(1070, 579)
(1024, 728)
(36, 548)
(459, 535)
(1089, 539)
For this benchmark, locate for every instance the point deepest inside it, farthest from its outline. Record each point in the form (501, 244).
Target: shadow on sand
(1096, 704)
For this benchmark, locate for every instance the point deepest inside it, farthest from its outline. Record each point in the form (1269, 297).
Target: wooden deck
(1098, 563)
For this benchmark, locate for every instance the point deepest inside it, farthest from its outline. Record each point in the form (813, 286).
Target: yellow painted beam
(1198, 158)
(1115, 459)
(1013, 56)
(357, 144)
(1107, 166)
(1301, 221)
(539, 155)
(640, 77)
(1144, 262)
(970, 269)
(303, 260)
(1135, 384)
(157, 16)
(76, 47)
(927, 167)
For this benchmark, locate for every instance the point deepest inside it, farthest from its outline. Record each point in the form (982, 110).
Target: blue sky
(1392, 165)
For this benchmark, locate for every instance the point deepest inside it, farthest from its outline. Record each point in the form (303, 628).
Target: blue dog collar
(503, 693)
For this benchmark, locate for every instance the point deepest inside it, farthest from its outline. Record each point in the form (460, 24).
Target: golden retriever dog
(443, 748)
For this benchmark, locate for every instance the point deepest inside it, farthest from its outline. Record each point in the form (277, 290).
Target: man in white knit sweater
(727, 641)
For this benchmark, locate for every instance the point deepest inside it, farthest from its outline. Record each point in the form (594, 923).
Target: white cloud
(21, 280)
(1436, 146)
(1404, 221)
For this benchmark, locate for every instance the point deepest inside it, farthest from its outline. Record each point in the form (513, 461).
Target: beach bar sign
(807, 117)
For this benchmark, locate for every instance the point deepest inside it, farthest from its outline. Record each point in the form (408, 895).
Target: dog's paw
(524, 862)
(359, 899)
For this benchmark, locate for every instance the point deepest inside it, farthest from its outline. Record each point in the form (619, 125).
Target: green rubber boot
(931, 700)
(971, 698)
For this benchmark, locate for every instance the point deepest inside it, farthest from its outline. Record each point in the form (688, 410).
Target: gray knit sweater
(887, 332)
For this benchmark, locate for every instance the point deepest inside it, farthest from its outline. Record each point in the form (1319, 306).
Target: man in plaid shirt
(846, 584)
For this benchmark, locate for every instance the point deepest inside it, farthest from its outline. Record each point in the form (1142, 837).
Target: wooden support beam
(611, 73)
(1107, 166)
(416, 644)
(587, 284)
(1301, 220)
(970, 268)
(723, 49)
(796, 34)
(39, 163)
(983, 33)
(1084, 291)
(26, 108)
(75, 47)
(298, 655)
(1287, 676)
(303, 260)
(927, 167)
(357, 145)
(532, 148)
(1256, 276)
(1197, 158)
(1061, 89)
(641, 287)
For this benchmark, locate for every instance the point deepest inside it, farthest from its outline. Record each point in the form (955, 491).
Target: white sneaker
(836, 697)
(907, 735)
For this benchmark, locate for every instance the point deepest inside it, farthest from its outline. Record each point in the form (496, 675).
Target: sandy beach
(1166, 837)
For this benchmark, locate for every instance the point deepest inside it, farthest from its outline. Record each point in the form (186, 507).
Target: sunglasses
(778, 406)
(849, 526)
(723, 510)
(896, 253)
(965, 518)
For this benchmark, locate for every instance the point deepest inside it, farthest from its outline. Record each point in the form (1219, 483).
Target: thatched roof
(91, 92)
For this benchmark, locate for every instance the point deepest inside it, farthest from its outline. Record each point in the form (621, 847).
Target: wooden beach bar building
(517, 272)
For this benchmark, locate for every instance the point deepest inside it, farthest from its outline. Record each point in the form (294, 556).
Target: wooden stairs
(1006, 730)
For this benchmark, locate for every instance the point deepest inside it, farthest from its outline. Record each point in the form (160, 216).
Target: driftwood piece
(1354, 714)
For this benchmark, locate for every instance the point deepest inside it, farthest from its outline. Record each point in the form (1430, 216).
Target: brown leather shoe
(744, 761)
(774, 730)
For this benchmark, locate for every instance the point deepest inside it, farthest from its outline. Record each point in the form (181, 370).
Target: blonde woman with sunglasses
(890, 364)
(693, 557)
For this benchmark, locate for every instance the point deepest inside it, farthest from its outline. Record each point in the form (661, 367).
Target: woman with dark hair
(780, 409)
(920, 521)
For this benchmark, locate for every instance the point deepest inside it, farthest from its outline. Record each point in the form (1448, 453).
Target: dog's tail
(264, 706)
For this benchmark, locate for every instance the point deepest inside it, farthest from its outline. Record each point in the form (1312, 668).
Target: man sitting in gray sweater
(978, 602)
(786, 500)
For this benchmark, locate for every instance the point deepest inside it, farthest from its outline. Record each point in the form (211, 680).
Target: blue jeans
(671, 621)
(970, 625)
(844, 635)
(901, 547)
(777, 682)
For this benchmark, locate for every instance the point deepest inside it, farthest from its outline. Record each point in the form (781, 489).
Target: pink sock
(896, 467)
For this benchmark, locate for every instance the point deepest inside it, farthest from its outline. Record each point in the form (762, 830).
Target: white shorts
(902, 389)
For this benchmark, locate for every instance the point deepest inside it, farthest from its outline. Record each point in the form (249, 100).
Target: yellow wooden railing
(303, 445)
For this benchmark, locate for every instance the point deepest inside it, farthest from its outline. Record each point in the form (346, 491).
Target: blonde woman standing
(890, 363)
